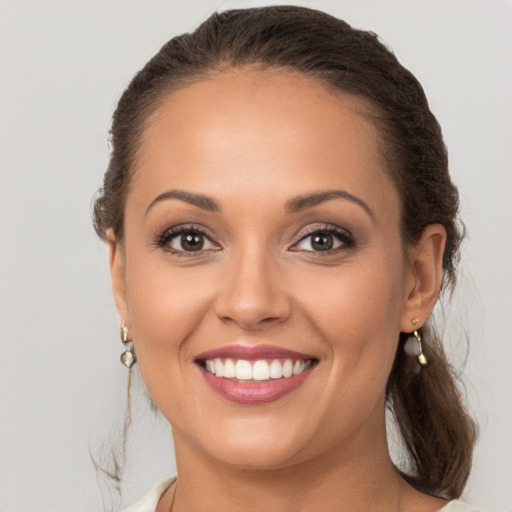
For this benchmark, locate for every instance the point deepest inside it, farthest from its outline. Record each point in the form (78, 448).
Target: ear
(117, 274)
(425, 277)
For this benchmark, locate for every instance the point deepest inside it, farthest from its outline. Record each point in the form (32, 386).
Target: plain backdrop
(63, 66)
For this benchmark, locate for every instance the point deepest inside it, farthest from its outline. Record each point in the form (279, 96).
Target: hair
(437, 431)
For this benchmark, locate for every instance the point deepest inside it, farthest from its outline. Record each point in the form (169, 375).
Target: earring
(128, 357)
(413, 347)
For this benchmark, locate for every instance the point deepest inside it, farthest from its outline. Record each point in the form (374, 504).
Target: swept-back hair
(437, 431)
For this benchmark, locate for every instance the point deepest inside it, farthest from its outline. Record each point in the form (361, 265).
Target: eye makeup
(195, 237)
(346, 239)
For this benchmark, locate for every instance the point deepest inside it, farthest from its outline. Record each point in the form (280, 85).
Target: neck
(361, 478)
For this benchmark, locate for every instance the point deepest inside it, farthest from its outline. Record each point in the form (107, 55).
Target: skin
(252, 140)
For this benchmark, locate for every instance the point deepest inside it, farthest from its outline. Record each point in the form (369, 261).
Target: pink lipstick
(254, 374)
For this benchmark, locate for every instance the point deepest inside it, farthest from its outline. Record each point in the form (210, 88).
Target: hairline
(363, 106)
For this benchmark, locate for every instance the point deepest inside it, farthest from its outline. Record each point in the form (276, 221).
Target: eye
(185, 239)
(328, 240)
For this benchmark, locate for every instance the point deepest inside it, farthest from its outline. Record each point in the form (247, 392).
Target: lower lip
(254, 393)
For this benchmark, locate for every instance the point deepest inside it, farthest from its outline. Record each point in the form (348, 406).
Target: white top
(150, 501)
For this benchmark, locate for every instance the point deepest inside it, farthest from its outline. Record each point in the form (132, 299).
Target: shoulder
(459, 506)
(149, 502)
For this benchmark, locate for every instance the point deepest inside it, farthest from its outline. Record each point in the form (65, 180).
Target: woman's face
(258, 265)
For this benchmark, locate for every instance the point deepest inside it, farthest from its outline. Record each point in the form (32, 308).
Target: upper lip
(252, 353)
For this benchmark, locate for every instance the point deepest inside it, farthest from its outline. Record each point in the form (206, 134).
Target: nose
(253, 292)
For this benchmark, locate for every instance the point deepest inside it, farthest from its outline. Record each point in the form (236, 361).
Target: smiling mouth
(261, 370)
(254, 374)
(255, 382)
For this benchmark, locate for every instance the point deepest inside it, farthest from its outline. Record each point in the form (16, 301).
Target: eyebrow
(199, 200)
(293, 205)
(300, 203)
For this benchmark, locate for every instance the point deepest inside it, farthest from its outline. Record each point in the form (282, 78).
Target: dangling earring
(413, 347)
(128, 357)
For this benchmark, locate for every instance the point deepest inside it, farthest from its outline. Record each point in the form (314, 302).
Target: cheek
(165, 307)
(349, 313)
(358, 316)
(360, 298)
(171, 311)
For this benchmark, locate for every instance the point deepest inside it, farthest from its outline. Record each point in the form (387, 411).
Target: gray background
(63, 65)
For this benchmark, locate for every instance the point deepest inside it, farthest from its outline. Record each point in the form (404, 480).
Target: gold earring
(413, 347)
(128, 357)
(124, 334)
(415, 321)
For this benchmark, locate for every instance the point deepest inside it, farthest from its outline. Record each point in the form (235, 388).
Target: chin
(254, 455)
(250, 444)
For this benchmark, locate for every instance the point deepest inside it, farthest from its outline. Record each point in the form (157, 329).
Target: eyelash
(344, 236)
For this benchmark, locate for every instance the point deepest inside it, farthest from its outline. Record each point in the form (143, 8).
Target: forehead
(265, 134)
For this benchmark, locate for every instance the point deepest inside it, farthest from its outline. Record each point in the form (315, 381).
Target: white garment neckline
(149, 502)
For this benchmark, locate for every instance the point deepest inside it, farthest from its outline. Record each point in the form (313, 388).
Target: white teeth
(243, 370)
(276, 369)
(287, 368)
(229, 369)
(219, 368)
(210, 366)
(298, 367)
(261, 370)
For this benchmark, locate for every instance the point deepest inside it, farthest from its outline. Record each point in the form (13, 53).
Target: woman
(281, 222)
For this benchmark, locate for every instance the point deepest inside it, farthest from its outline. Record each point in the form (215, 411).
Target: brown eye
(191, 241)
(185, 240)
(188, 241)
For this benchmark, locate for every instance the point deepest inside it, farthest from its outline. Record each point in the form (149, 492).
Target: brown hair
(437, 431)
